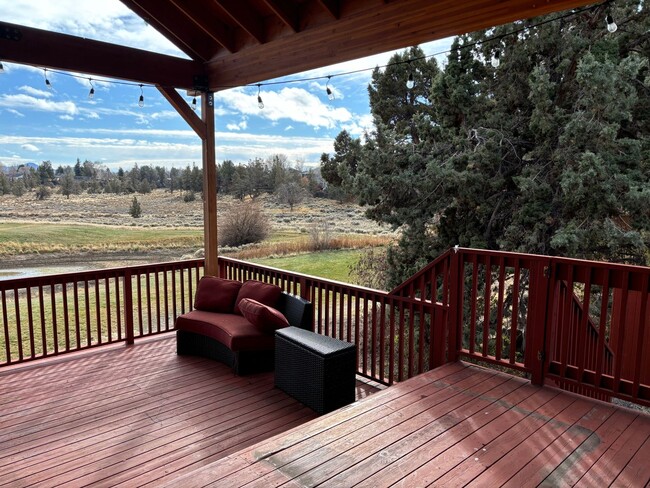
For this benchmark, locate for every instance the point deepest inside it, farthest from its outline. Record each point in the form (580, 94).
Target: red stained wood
(455, 425)
(133, 416)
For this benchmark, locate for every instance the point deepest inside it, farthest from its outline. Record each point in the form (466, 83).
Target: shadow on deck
(133, 416)
(143, 416)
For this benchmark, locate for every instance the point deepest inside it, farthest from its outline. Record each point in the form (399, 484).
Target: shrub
(320, 235)
(245, 223)
(136, 209)
(370, 270)
(189, 196)
(18, 188)
(43, 192)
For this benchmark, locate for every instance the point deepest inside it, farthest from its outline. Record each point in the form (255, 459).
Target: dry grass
(306, 245)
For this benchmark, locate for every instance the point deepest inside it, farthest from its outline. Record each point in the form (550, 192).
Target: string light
(410, 83)
(496, 61)
(611, 25)
(330, 93)
(194, 104)
(91, 93)
(260, 103)
(47, 81)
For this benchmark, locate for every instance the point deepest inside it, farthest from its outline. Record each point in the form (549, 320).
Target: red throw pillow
(265, 318)
(258, 291)
(216, 294)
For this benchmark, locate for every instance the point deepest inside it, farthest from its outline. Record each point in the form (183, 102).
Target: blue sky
(62, 124)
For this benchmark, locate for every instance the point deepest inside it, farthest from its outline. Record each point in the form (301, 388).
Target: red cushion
(265, 318)
(258, 291)
(216, 294)
(233, 331)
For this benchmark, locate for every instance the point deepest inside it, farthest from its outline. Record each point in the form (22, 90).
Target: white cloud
(29, 147)
(237, 127)
(15, 112)
(35, 92)
(288, 127)
(66, 117)
(137, 146)
(291, 103)
(109, 21)
(27, 102)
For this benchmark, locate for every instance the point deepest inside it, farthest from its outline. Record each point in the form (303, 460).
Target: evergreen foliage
(548, 153)
(136, 209)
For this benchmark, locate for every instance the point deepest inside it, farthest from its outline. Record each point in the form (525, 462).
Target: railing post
(536, 327)
(455, 307)
(128, 307)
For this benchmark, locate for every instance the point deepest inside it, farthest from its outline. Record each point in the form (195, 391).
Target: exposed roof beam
(207, 21)
(287, 12)
(332, 6)
(246, 19)
(367, 28)
(185, 36)
(70, 53)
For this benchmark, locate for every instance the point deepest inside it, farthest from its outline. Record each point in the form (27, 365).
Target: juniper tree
(547, 153)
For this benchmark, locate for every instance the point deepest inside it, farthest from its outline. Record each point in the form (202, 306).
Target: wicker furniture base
(241, 362)
(316, 370)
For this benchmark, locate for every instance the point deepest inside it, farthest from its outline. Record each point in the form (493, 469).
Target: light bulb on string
(47, 81)
(260, 103)
(141, 99)
(410, 83)
(611, 25)
(91, 93)
(496, 59)
(194, 104)
(330, 93)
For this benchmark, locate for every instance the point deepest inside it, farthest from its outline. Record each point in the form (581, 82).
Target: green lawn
(21, 238)
(333, 265)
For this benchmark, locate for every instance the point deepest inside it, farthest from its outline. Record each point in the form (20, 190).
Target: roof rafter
(332, 6)
(246, 19)
(47, 49)
(207, 21)
(287, 12)
(191, 41)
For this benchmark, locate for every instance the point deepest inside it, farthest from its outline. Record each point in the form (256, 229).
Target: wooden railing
(581, 325)
(50, 315)
(396, 335)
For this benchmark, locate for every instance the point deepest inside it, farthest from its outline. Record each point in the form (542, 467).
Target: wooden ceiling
(239, 42)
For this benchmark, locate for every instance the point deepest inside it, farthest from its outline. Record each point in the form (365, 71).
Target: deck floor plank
(142, 416)
(133, 415)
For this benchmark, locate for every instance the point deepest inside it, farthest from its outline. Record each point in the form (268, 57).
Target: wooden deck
(455, 426)
(142, 416)
(132, 416)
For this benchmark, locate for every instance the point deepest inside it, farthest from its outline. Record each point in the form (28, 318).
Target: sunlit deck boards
(132, 416)
(457, 425)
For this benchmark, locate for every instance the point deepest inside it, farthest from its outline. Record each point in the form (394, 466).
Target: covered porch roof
(238, 42)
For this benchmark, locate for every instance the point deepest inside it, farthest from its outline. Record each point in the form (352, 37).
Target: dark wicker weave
(297, 311)
(316, 370)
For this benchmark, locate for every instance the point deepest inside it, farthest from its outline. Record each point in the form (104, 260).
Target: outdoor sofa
(235, 322)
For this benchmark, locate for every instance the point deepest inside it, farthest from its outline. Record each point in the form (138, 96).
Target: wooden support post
(204, 128)
(209, 187)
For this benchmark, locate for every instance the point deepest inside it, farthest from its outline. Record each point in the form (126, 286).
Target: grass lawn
(333, 265)
(24, 238)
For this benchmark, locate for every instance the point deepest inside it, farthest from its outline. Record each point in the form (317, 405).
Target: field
(97, 229)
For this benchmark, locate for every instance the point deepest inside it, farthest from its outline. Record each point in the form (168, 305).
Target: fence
(580, 325)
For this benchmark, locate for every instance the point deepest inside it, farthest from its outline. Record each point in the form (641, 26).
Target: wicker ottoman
(316, 370)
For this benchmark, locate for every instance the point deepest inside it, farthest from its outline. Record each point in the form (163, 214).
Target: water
(10, 274)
